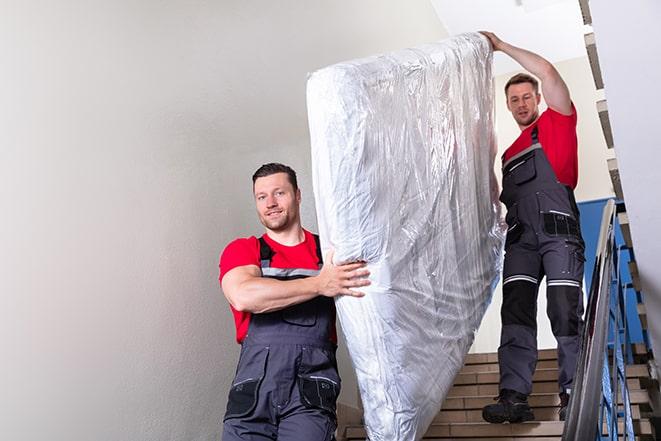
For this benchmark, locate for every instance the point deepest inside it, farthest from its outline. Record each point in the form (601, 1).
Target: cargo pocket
(560, 224)
(318, 382)
(318, 392)
(245, 388)
(523, 171)
(303, 314)
(576, 259)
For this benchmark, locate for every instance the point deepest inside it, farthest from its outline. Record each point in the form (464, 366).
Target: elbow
(238, 304)
(548, 71)
(241, 306)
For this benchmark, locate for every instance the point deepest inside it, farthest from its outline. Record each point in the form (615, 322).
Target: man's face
(277, 202)
(523, 102)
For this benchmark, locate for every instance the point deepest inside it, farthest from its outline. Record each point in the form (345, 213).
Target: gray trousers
(534, 249)
(284, 393)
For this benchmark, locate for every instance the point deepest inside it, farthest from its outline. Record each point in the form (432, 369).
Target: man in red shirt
(281, 295)
(540, 171)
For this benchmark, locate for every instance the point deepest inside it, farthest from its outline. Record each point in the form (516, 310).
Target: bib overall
(543, 239)
(286, 382)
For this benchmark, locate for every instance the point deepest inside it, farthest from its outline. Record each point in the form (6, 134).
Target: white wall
(628, 43)
(594, 180)
(129, 131)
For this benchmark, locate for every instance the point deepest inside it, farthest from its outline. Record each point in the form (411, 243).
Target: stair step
(541, 414)
(493, 366)
(492, 357)
(541, 374)
(486, 430)
(538, 387)
(637, 396)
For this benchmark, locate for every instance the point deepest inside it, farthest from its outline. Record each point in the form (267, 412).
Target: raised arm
(246, 289)
(554, 89)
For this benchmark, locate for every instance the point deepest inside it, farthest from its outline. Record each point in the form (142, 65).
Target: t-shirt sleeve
(240, 252)
(563, 120)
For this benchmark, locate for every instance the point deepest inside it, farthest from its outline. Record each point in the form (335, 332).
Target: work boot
(564, 402)
(512, 406)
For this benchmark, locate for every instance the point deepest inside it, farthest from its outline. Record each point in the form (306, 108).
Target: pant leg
(563, 262)
(307, 424)
(237, 429)
(517, 354)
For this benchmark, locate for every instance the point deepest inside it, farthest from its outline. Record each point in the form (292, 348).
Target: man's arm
(554, 89)
(246, 289)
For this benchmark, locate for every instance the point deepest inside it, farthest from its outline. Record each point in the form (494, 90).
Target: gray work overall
(543, 239)
(286, 382)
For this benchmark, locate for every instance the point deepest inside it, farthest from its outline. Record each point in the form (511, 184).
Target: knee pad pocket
(563, 309)
(519, 304)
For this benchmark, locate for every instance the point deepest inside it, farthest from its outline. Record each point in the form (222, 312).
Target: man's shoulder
(239, 252)
(242, 243)
(552, 116)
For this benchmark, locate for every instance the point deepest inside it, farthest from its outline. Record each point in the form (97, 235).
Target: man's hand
(554, 88)
(336, 280)
(248, 291)
(496, 43)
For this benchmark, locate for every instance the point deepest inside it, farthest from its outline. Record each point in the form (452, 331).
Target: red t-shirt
(245, 251)
(557, 134)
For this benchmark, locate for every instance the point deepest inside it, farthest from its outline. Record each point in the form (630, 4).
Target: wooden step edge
(602, 110)
(635, 277)
(593, 58)
(541, 374)
(543, 399)
(585, 11)
(538, 387)
(546, 413)
(623, 219)
(492, 357)
(614, 173)
(484, 429)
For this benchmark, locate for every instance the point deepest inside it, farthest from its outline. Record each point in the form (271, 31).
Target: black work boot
(564, 402)
(512, 406)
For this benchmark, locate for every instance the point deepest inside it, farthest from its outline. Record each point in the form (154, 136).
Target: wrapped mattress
(403, 147)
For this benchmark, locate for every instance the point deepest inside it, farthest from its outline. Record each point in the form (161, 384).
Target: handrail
(583, 411)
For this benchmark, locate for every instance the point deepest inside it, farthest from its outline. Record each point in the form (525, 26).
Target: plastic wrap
(403, 147)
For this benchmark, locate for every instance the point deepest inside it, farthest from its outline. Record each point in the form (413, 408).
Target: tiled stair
(476, 386)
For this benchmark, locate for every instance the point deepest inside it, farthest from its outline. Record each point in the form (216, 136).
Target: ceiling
(552, 28)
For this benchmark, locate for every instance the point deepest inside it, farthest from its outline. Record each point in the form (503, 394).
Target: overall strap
(265, 253)
(534, 135)
(317, 243)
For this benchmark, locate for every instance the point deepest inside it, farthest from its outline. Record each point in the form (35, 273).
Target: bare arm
(246, 289)
(554, 89)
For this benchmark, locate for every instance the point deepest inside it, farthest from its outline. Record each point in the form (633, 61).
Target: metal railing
(594, 412)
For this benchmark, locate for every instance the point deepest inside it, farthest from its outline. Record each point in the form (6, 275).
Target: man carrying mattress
(540, 171)
(281, 295)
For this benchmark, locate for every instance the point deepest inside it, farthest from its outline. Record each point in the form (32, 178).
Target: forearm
(260, 295)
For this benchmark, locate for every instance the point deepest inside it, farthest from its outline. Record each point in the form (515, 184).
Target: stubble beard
(531, 119)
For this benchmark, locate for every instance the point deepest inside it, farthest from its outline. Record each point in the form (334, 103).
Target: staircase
(476, 385)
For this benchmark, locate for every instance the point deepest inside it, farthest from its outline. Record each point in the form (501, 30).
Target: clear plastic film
(403, 147)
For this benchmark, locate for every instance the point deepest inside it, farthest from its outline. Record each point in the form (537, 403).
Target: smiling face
(523, 102)
(277, 202)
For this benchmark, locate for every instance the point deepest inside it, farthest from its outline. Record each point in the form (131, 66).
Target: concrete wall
(594, 181)
(129, 131)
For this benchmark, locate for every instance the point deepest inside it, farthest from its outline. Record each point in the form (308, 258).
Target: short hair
(522, 78)
(273, 168)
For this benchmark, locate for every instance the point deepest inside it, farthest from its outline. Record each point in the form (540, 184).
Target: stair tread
(541, 374)
(484, 429)
(490, 357)
(548, 399)
(537, 387)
